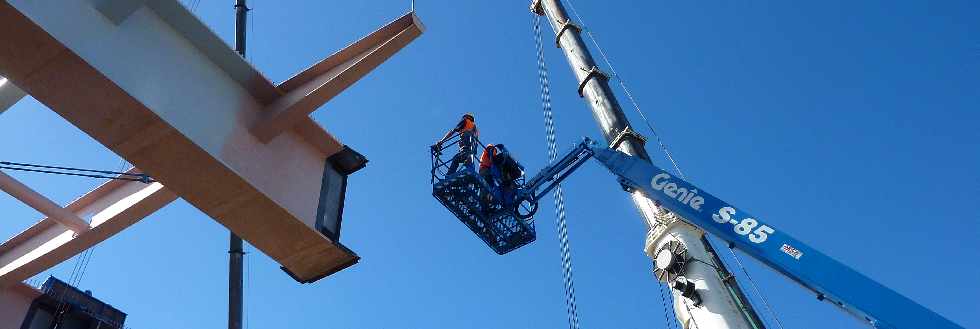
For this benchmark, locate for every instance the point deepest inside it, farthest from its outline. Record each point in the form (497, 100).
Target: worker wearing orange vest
(486, 165)
(468, 132)
(486, 162)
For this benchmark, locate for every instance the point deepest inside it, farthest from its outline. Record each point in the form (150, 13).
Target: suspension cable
(566, 259)
(756, 289)
(663, 301)
(663, 146)
(691, 313)
(81, 273)
(81, 264)
(69, 171)
(629, 95)
(248, 285)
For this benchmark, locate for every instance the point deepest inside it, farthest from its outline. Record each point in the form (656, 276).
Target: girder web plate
(460, 193)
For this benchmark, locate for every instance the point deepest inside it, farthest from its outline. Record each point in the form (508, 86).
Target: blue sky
(851, 125)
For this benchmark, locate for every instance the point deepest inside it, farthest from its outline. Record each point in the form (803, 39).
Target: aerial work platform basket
(487, 210)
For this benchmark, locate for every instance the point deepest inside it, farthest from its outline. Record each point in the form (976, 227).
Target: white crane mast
(717, 302)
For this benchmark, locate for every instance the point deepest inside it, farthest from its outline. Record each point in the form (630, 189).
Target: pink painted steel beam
(182, 107)
(15, 302)
(42, 204)
(318, 84)
(9, 94)
(113, 207)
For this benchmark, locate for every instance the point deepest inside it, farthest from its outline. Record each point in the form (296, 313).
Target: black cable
(78, 172)
(755, 287)
(7, 163)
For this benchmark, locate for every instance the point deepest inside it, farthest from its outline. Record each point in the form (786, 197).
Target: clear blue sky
(851, 125)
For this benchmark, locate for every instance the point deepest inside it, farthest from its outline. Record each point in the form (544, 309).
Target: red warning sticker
(789, 250)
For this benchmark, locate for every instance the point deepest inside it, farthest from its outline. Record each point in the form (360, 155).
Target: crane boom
(829, 279)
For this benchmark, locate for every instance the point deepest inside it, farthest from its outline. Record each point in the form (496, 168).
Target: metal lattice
(462, 192)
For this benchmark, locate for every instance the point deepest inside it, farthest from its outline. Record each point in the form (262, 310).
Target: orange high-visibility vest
(487, 158)
(468, 125)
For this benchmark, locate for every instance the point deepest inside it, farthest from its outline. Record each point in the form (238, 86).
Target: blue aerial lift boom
(828, 278)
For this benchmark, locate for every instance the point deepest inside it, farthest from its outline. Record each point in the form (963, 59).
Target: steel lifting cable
(691, 313)
(663, 301)
(81, 264)
(82, 260)
(663, 146)
(566, 258)
(69, 171)
(622, 83)
(756, 289)
(87, 260)
(251, 31)
(247, 296)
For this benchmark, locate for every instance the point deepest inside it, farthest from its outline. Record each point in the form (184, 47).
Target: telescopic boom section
(828, 278)
(553, 174)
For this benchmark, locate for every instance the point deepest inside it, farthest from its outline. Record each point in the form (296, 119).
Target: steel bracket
(565, 26)
(594, 72)
(627, 133)
(536, 7)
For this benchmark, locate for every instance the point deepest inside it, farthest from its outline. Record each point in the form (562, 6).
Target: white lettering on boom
(661, 182)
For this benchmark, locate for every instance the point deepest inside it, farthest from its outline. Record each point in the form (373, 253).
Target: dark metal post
(235, 249)
(241, 19)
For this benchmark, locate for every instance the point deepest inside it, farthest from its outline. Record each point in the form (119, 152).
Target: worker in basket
(500, 171)
(468, 133)
(486, 165)
(507, 169)
(487, 173)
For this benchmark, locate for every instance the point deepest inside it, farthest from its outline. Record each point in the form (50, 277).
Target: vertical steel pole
(235, 252)
(720, 308)
(241, 19)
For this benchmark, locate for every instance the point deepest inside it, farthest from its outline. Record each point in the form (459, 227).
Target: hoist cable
(663, 146)
(77, 271)
(251, 31)
(248, 285)
(87, 260)
(565, 249)
(756, 289)
(69, 171)
(626, 90)
(663, 301)
(8, 163)
(691, 313)
(69, 174)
